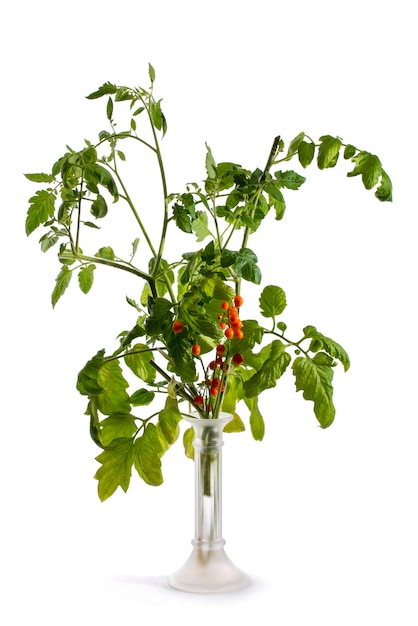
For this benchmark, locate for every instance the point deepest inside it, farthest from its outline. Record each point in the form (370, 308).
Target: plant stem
(68, 256)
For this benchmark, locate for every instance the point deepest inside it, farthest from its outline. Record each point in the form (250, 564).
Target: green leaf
(86, 277)
(157, 116)
(196, 319)
(168, 419)
(183, 362)
(306, 153)
(61, 283)
(105, 89)
(109, 109)
(330, 346)
(246, 266)
(256, 419)
(182, 218)
(236, 425)
(200, 226)
(142, 397)
(272, 301)
(139, 362)
(272, 369)
(294, 144)
(87, 380)
(117, 426)
(314, 378)
(40, 178)
(289, 179)
(160, 317)
(349, 151)
(114, 397)
(105, 253)
(211, 169)
(116, 468)
(148, 450)
(151, 73)
(188, 438)
(99, 207)
(48, 240)
(328, 152)
(41, 209)
(384, 191)
(99, 175)
(369, 167)
(276, 199)
(215, 288)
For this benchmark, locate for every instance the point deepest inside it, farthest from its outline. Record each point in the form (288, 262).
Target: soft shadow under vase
(208, 568)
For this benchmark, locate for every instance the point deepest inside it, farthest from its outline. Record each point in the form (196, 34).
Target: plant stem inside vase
(208, 568)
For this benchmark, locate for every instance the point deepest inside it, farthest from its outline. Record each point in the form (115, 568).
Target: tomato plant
(190, 303)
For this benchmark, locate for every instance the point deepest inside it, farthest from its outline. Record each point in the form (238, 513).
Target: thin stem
(68, 256)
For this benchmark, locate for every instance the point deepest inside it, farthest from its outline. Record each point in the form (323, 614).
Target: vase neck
(208, 444)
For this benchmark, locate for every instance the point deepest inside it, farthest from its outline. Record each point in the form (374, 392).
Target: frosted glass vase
(208, 568)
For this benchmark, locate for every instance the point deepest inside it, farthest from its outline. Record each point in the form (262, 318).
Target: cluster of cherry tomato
(231, 324)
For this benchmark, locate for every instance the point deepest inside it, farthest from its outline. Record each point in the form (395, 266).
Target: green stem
(77, 239)
(68, 256)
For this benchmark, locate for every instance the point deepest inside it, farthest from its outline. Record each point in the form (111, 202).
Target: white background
(325, 522)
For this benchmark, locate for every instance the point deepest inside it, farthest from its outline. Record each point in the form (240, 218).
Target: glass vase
(208, 568)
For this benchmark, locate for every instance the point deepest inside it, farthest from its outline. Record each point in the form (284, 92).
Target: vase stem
(208, 568)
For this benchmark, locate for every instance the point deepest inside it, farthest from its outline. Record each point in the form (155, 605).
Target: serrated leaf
(87, 379)
(157, 116)
(105, 89)
(272, 369)
(117, 426)
(289, 179)
(330, 346)
(86, 277)
(182, 218)
(99, 175)
(272, 301)
(168, 419)
(113, 398)
(246, 266)
(48, 240)
(253, 333)
(314, 379)
(116, 468)
(61, 283)
(369, 167)
(41, 209)
(160, 317)
(183, 362)
(328, 151)
(39, 178)
(148, 450)
(139, 362)
(200, 226)
(214, 287)
(276, 200)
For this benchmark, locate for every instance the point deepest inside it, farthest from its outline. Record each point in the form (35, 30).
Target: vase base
(208, 570)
